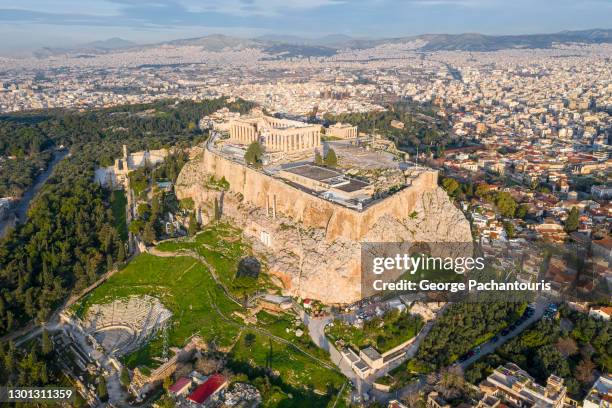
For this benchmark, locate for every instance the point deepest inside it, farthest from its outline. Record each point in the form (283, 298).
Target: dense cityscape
(185, 224)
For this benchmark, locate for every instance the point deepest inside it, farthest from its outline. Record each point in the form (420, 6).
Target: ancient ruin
(125, 325)
(310, 220)
(275, 134)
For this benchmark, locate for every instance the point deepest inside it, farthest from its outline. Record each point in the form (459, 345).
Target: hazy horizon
(33, 24)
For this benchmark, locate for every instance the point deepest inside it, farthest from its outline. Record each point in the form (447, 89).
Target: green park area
(221, 248)
(295, 366)
(276, 346)
(185, 287)
(383, 333)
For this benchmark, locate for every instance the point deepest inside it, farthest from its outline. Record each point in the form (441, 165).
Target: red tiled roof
(208, 388)
(179, 384)
(604, 243)
(605, 309)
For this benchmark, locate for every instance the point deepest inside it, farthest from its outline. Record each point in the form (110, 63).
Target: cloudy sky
(34, 23)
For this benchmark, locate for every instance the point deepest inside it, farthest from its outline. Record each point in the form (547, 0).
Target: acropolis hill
(311, 239)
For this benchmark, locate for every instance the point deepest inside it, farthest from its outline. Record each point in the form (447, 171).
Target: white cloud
(255, 7)
(90, 7)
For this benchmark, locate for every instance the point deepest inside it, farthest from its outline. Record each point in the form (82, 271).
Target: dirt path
(157, 252)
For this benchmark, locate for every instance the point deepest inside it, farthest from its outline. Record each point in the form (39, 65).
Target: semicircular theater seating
(125, 325)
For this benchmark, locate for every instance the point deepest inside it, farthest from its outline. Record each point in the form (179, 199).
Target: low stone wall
(399, 347)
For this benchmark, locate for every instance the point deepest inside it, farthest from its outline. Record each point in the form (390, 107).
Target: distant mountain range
(457, 42)
(94, 47)
(480, 42)
(288, 45)
(110, 44)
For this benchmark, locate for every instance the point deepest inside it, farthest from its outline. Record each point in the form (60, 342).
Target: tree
(102, 391)
(506, 204)
(451, 186)
(521, 211)
(331, 160)
(125, 377)
(548, 360)
(254, 154)
(482, 190)
(572, 222)
(47, 344)
(109, 262)
(585, 371)
(209, 365)
(249, 340)
(468, 190)
(452, 382)
(121, 252)
(318, 159)
(144, 211)
(136, 226)
(509, 228)
(194, 227)
(165, 402)
(567, 346)
(148, 234)
(167, 383)
(216, 210)
(187, 204)
(412, 399)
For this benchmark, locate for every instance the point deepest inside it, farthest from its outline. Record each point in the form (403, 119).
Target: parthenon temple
(275, 134)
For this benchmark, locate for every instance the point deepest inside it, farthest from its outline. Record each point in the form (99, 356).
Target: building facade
(600, 395)
(277, 135)
(342, 130)
(516, 388)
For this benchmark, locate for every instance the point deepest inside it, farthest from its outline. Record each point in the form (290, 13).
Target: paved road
(316, 329)
(19, 212)
(490, 347)
(487, 348)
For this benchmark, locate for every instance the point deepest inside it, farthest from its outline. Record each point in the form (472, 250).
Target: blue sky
(34, 23)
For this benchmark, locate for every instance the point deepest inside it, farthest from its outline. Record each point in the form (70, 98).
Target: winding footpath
(213, 273)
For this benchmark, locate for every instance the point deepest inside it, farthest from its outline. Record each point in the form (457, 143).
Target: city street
(490, 346)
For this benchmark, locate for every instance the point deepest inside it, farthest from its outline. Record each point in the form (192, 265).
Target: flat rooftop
(352, 357)
(361, 366)
(353, 185)
(371, 353)
(334, 177)
(314, 172)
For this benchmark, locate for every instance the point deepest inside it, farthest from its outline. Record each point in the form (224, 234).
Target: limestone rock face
(433, 219)
(312, 246)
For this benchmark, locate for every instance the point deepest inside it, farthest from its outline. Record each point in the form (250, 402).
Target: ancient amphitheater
(125, 325)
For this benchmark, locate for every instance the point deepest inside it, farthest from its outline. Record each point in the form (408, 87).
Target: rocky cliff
(312, 245)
